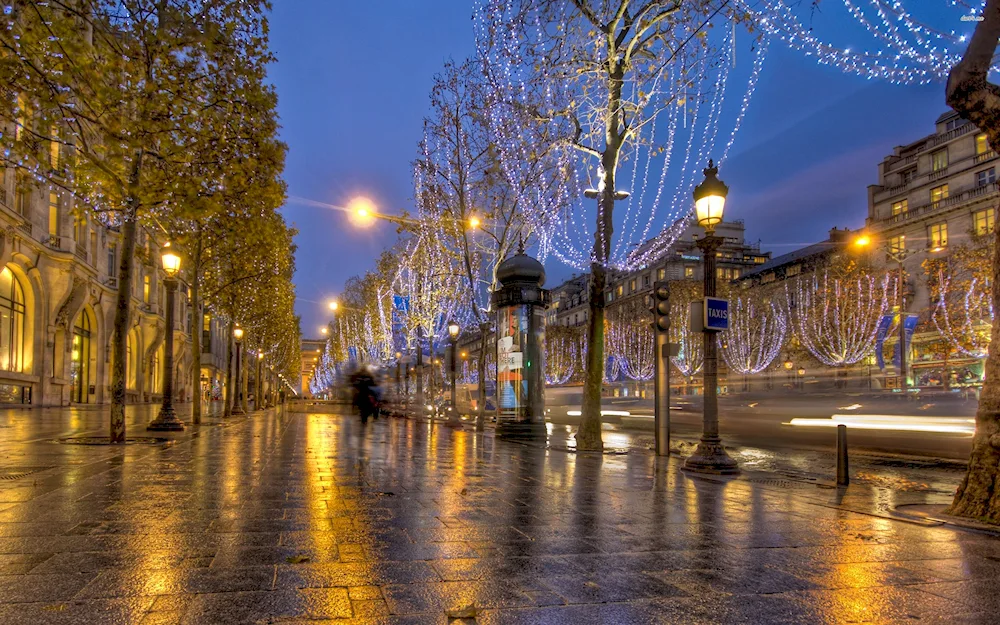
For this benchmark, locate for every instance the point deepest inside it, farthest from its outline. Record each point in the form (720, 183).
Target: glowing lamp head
(710, 199)
(453, 329)
(474, 222)
(171, 261)
(789, 364)
(802, 371)
(334, 305)
(260, 355)
(863, 241)
(323, 331)
(362, 212)
(238, 333)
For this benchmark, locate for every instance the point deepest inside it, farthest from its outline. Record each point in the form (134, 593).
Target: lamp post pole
(454, 418)
(166, 420)
(259, 392)
(903, 379)
(238, 386)
(710, 456)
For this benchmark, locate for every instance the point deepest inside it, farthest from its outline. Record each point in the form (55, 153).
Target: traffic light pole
(661, 388)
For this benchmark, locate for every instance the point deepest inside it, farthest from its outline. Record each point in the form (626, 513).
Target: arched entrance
(80, 359)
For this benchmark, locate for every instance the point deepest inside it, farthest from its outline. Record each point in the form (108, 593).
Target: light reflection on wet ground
(311, 517)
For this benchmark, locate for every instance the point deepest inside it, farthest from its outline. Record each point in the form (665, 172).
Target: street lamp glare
(171, 261)
(334, 305)
(474, 222)
(863, 241)
(453, 329)
(323, 331)
(789, 364)
(238, 333)
(362, 212)
(710, 198)
(260, 355)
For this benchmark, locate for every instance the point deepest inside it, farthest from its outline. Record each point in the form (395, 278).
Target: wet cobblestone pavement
(288, 518)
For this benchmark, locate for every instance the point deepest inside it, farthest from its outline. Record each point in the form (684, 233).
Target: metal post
(843, 477)
(420, 373)
(710, 456)
(399, 381)
(902, 329)
(167, 420)
(455, 417)
(259, 393)
(238, 386)
(661, 387)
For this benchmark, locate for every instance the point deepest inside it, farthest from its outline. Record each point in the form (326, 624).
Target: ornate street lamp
(237, 406)
(167, 420)
(709, 203)
(453, 330)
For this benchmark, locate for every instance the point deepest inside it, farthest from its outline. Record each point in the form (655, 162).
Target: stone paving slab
(297, 518)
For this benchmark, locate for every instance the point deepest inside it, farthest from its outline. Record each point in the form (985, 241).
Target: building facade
(58, 286)
(933, 195)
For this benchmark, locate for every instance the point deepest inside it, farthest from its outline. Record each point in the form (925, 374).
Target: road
(764, 420)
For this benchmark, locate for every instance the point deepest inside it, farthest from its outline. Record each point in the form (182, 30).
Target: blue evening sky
(353, 81)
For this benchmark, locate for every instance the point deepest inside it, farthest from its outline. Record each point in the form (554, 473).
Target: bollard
(843, 477)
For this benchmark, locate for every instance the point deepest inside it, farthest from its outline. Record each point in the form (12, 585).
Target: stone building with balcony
(932, 195)
(58, 285)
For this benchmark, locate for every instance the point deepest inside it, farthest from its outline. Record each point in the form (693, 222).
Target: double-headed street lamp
(453, 329)
(709, 202)
(167, 420)
(237, 406)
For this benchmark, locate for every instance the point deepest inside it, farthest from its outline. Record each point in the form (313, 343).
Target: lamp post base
(166, 421)
(711, 457)
(238, 412)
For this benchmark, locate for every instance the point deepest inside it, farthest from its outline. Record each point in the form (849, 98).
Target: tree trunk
(227, 410)
(976, 99)
(196, 329)
(244, 376)
(484, 329)
(119, 340)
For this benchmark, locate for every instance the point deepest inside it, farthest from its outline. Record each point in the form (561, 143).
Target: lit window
(53, 214)
(984, 220)
(54, 148)
(897, 244)
(661, 274)
(938, 235)
(985, 177)
(11, 322)
(939, 160)
(631, 286)
(619, 290)
(689, 272)
(794, 270)
(899, 207)
(982, 144)
(112, 265)
(145, 289)
(938, 194)
(22, 117)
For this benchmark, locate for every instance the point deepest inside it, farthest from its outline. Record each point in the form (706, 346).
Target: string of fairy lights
(682, 113)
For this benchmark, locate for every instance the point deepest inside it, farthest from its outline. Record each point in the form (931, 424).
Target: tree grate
(16, 473)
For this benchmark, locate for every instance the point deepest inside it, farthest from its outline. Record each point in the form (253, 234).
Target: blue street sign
(716, 314)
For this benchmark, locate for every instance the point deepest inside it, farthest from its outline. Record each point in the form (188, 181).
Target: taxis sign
(716, 314)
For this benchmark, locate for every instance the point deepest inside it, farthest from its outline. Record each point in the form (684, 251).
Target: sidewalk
(282, 517)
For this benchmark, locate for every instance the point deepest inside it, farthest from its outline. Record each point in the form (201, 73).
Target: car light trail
(604, 413)
(892, 422)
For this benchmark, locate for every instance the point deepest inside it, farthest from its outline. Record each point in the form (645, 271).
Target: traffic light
(661, 306)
